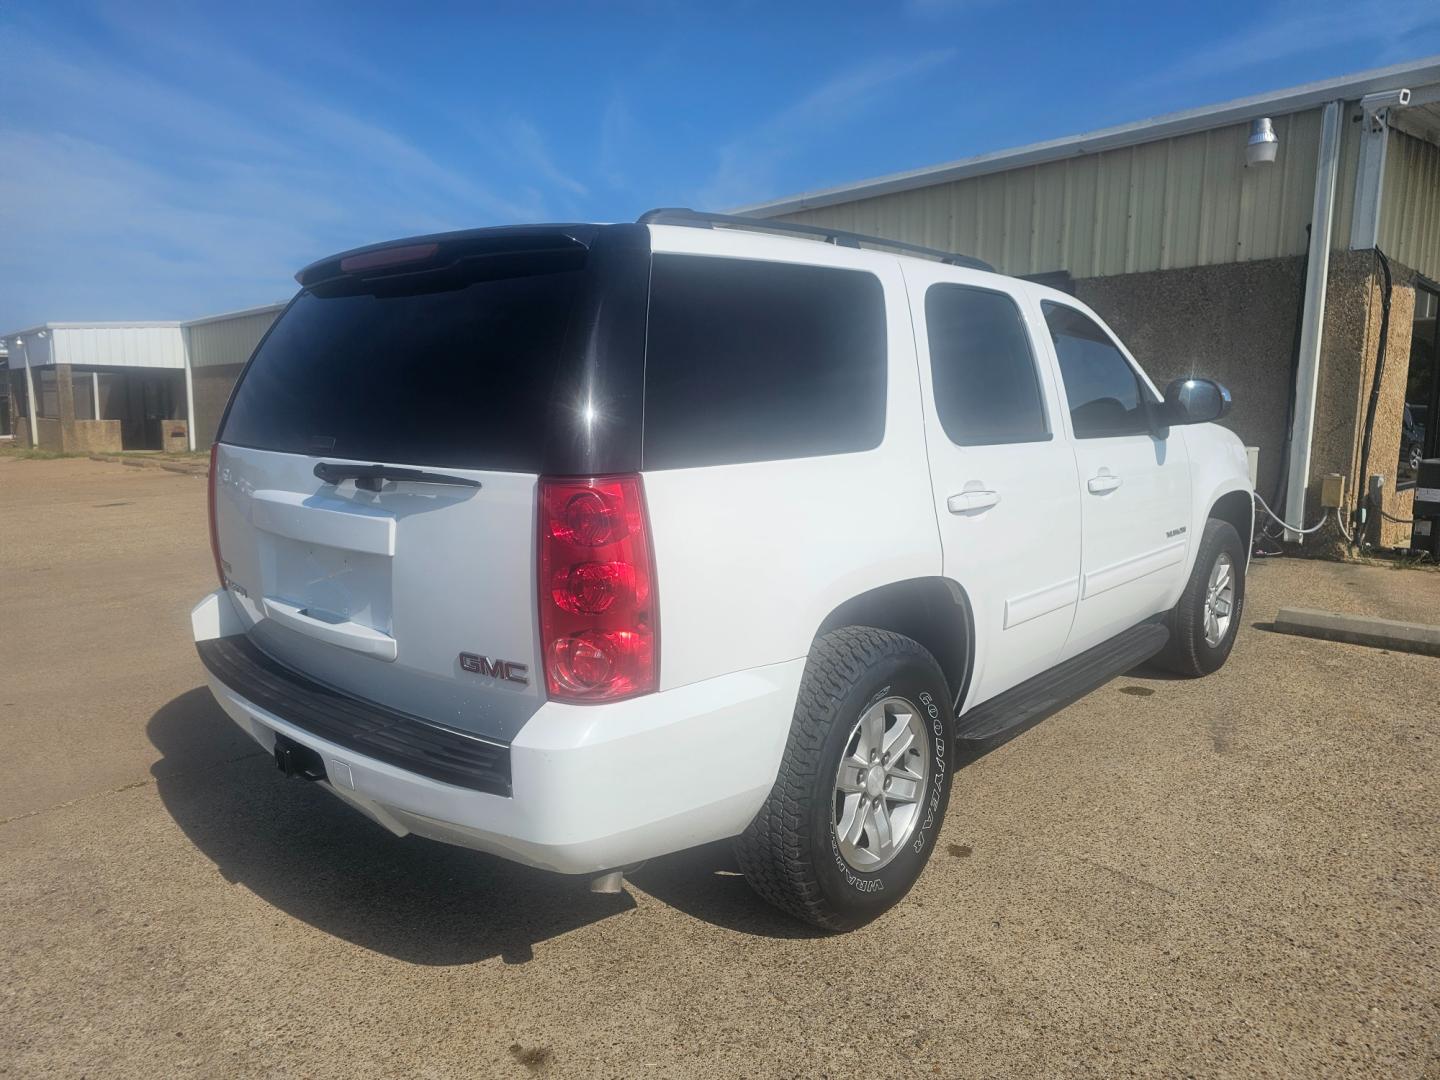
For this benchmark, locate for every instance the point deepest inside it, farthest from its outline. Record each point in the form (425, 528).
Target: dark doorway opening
(142, 401)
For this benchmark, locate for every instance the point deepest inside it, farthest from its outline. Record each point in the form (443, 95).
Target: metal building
(108, 387)
(218, 347)
(1277, 277)
(98, 386)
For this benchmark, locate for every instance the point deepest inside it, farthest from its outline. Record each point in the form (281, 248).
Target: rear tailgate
(483, 359)
(379, 593)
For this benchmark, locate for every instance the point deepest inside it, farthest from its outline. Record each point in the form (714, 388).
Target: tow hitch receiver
(297, 760)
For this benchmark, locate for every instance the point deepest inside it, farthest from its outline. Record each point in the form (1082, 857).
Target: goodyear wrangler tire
(863, 784)
(1204, 623)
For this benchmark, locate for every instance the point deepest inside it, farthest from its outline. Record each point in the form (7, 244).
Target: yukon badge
(496, 669)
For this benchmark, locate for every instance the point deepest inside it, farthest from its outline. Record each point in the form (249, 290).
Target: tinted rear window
(461, 377)
(756, 361)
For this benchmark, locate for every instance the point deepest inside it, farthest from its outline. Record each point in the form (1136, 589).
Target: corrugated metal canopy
(134, 345)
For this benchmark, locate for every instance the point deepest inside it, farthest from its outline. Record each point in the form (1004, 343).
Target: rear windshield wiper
(370, 477)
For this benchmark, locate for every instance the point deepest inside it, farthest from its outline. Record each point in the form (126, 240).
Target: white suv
(582, 544)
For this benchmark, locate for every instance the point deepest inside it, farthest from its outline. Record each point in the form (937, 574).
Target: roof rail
(699, 219)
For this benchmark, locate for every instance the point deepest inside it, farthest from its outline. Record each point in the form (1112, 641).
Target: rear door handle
(1102, 483)
(972, 500)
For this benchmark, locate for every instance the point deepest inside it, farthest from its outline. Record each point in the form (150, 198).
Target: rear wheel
(1204, 623)
(863, 785)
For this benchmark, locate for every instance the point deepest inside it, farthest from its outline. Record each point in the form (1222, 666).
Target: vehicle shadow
(705, 883)
(1150, 671)
(299, 848)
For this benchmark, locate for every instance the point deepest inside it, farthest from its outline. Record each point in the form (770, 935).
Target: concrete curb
(1360, 630)
(143, 463)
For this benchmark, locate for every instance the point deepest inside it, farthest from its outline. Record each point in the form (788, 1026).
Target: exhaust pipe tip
(608, 884)
(613, 881)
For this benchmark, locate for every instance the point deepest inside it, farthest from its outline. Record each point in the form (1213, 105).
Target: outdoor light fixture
(1261, 148)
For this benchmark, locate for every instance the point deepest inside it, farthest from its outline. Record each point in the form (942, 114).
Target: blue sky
(172, 160)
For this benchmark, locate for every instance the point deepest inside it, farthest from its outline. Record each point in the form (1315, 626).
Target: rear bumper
(591, 787)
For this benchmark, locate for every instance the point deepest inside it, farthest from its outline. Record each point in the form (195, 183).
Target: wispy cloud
(527, 145)
(747, 165)
(128, 191)
(1307, 27)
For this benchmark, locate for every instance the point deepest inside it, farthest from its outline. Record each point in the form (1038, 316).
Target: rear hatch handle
(332, 630)
(370, 477)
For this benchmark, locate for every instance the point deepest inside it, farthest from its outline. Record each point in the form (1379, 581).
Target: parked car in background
(1412, 439)
(584, 544)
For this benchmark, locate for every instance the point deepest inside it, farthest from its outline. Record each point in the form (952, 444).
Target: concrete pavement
(1238, 876)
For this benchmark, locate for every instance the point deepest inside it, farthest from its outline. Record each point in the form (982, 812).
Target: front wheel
(863, 784)
(1204, 623)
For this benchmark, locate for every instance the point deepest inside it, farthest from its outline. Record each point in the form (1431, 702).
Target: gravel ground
(1231, 877)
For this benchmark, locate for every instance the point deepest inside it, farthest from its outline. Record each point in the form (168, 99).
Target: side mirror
(1195, 401)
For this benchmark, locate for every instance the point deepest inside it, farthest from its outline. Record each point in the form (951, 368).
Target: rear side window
(758, 361)
(987, 389)
(460, 377)
(1105, 395)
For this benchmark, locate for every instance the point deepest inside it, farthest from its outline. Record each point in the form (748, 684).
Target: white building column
(30, 397)
(1307, 374)
(189, 389)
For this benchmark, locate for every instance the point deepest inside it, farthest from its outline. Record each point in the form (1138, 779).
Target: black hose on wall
(1363, 478)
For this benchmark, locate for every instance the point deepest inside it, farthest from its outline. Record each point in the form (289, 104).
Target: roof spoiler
(418, 254)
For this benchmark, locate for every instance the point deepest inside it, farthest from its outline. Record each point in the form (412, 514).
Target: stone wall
(211, 387)
(47, 435)
(79, 437)
(174, 436)
(1354, 312)
(93, 437)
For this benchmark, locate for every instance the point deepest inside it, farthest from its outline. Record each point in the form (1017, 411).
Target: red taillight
(214, 533)
(598, 615)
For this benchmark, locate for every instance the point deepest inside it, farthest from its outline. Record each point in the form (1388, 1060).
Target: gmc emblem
(496, 669)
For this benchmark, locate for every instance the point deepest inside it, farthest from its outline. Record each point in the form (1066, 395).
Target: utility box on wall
(1426, 535)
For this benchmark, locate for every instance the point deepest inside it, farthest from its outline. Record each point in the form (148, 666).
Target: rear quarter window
(758, 361)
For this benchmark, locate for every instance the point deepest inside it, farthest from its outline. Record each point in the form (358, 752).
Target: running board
(1020, 708)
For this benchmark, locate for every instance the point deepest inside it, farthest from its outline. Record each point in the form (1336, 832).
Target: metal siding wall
(228, 341)
(1346, 176)
(35, 350)
(1186, 201)
(1410, 205)
(120, 346)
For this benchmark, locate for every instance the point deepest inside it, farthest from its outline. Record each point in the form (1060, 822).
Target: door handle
(1102, 483)
(345, 634)
(967, 501)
